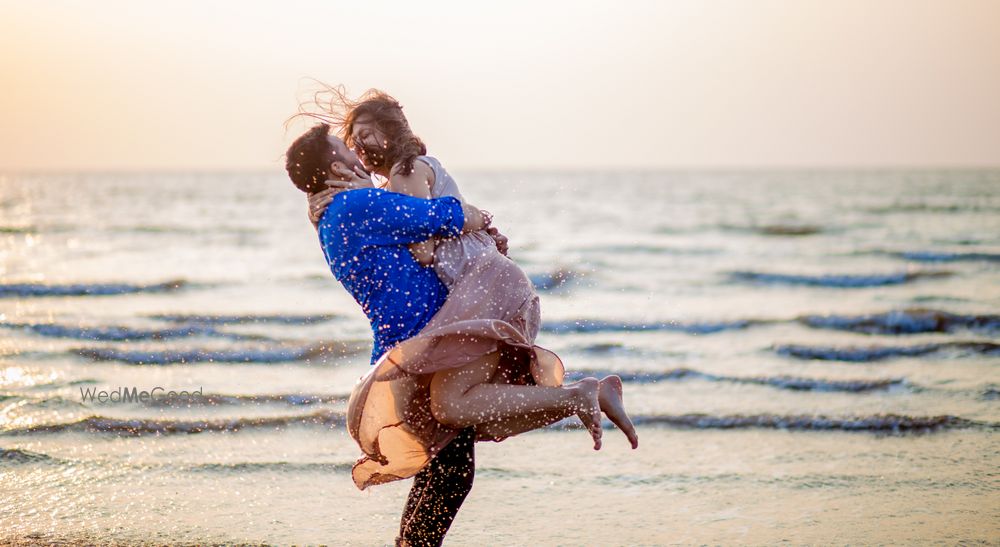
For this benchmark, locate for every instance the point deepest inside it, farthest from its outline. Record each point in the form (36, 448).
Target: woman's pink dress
(491, 306)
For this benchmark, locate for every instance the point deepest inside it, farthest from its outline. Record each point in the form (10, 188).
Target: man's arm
(416, 184)
(390, 218)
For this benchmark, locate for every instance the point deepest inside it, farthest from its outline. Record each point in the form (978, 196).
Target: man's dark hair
(306, 159)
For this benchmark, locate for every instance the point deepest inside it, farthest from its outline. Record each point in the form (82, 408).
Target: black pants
(437, 493)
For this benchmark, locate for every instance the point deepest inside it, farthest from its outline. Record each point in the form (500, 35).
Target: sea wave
(609, 348)
(206, 399)
(19, 456)
(47, 385)
(911, 321)
(147, 426)
(216, 399)
(282, 467)
(921, 207)
(847, 281)
(56, 402)
(113, 333)
(879, 353)
(944, 256)
(284, 319)
(779, 229)
(882, 423)
(597, 325)
(781, 382)
(661, 250)
(637, 377)
(184, 230)
(16, 456)
(550, 281)
(262, 355)
(817, 384)
(18, 229)
(22, 290)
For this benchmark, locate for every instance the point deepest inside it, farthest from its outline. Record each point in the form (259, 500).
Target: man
(364, 233)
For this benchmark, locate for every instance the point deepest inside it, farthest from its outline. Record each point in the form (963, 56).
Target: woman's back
(452, 256)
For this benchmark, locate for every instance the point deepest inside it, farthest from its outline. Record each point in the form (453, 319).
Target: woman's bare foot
(612, 404)
(589, 409)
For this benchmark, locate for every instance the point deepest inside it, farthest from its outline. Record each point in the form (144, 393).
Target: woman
(475, 363)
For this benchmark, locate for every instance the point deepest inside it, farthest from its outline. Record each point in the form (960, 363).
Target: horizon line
(525, 169)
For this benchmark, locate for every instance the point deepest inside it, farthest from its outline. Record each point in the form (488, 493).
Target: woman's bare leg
(521, 424)
(612, 404)
(464, 397)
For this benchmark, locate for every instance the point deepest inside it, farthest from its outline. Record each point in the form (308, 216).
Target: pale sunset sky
(201, 84)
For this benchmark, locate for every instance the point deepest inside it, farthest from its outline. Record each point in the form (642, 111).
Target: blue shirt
(364, 234)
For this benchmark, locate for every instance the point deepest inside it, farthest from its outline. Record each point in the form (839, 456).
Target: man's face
(341, 154)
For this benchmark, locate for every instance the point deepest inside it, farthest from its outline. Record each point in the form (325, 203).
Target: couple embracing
(454, 320)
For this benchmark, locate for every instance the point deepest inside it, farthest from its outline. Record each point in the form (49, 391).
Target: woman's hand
(350, 179)
(475, 218)
(499, 239)
(345, 179)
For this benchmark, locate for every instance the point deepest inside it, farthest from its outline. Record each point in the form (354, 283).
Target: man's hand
(318, 203)
(500, 239)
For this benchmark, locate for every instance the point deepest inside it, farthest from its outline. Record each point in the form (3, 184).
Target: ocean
(811, 357)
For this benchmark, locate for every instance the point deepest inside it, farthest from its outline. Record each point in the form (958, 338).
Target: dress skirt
(491, 306)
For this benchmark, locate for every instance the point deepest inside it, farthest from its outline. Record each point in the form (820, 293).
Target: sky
(578, 84)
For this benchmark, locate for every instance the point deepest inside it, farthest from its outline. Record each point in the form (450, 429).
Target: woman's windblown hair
(305, 160)
(331, 105)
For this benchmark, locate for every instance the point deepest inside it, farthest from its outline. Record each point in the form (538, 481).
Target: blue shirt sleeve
(391, 218)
